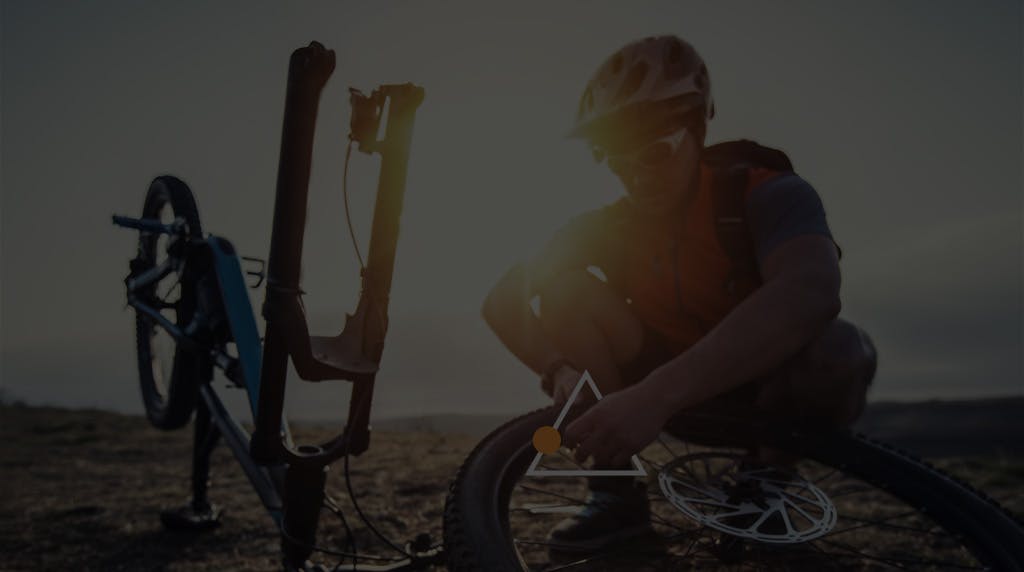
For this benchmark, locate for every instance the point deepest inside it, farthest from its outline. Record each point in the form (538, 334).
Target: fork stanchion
(353, 354)
(404, 100)
(308, 71)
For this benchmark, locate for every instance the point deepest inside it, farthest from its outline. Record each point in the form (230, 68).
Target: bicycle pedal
(191, 518)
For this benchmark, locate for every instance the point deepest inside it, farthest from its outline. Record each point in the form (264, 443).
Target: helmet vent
(633, 81)
(702, 78)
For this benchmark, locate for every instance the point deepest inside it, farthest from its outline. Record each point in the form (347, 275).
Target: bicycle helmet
(663, 72)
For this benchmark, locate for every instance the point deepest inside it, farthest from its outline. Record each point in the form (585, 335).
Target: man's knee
(569, 294)
(834, 371)
(578, 293)
(578, 299)
(843, 348)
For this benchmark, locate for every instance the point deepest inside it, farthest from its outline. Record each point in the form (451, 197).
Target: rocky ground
(82, 490)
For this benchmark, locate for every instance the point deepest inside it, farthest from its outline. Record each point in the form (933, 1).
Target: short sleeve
(782, 208)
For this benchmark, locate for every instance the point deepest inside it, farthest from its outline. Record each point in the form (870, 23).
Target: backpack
(730, 162)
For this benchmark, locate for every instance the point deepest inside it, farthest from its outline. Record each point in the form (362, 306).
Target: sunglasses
(648, 156)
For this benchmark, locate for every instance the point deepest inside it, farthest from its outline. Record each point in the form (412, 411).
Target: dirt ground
(82, 490)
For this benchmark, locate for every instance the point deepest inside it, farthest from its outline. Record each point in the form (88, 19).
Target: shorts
(655, 352)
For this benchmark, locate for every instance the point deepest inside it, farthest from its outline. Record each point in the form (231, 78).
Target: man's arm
(507, 307)
(798, 299)
(508, 313)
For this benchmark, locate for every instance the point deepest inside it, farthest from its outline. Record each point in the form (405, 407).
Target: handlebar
(178, 226)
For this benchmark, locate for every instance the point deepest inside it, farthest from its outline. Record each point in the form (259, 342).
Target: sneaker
(606, 517)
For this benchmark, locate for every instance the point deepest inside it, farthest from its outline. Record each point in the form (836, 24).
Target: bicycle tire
(476, 517)
(170, 400)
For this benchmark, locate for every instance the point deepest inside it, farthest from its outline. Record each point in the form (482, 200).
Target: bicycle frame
(290, 479)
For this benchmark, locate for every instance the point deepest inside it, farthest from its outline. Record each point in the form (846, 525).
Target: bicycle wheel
(850, 504)
(168, 374)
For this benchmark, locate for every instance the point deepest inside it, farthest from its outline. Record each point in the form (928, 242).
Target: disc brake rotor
(718, 490)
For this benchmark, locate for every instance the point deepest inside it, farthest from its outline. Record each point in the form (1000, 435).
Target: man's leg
(824, 383)
(827, 381)
(595, 329)
(591, 325)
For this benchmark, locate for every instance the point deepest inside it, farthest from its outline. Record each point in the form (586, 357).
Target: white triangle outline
(637, 471)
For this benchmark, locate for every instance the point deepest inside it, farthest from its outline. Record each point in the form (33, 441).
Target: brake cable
(348, 217)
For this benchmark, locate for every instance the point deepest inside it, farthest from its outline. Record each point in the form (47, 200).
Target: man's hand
(618, 426)
(565, 380)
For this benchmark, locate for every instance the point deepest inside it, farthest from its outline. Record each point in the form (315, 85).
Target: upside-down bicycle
(851, 503)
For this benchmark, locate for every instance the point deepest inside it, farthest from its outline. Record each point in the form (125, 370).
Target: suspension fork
(286, 334)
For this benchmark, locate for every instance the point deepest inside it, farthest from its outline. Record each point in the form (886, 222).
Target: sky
(905, 116)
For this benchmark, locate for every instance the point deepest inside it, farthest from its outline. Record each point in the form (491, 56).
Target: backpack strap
(730, 163)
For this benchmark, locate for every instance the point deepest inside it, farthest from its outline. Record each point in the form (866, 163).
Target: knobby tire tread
(174, 411)
(467, 555)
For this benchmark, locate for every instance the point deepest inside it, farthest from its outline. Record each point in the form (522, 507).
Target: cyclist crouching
(718, 278)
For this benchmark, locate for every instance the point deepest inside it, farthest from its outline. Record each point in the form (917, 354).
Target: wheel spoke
(671, 453)
(797, 497)
(693, 543)
(547, 509)
(551, 493)
(848, 492)
(854, 552)
(590, 558)
(740, 511)
(663, 521)
(827, 475)
(897, 562)
(171, 288)
(712, 494)
(710, 497)
(713, 503)
(654, 464)
(886, 523)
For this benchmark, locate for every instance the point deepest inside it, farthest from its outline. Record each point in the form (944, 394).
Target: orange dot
(546, 439)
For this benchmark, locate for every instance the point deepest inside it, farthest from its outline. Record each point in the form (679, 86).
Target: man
(680, 312)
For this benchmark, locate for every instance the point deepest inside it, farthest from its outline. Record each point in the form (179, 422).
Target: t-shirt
(675, 280)
(781, 208)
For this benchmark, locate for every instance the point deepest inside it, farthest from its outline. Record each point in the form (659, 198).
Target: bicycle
(193, 315)
(710, 507)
